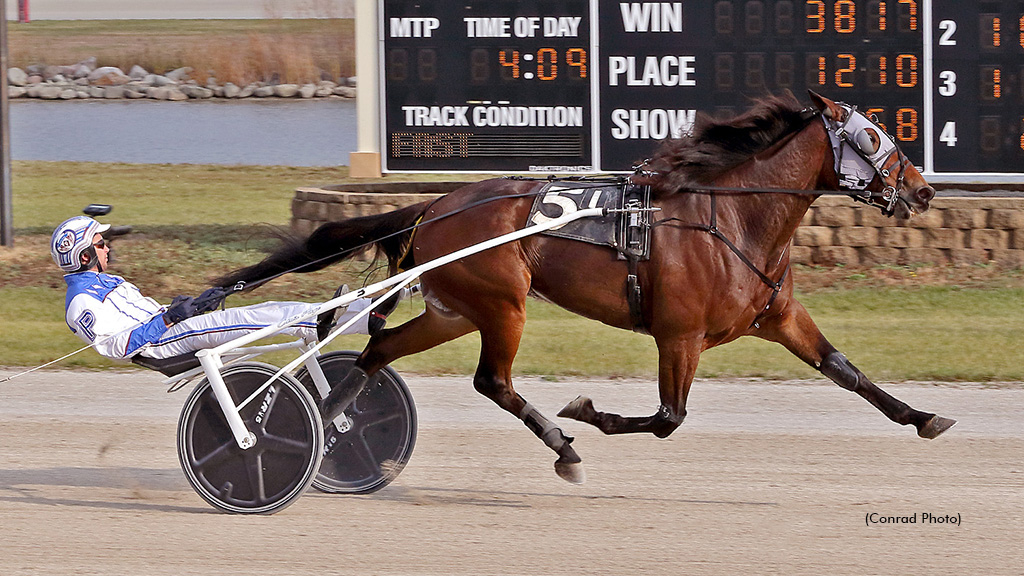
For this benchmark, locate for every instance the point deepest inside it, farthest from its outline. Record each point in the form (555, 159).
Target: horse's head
(869, 163)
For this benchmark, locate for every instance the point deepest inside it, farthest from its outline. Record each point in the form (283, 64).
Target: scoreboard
(593, 85)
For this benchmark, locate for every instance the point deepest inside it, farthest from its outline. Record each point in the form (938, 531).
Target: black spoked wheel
(289, 442)
(379, 436)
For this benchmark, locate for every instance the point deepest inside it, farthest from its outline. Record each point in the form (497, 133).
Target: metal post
(365, 163)
(6, 201)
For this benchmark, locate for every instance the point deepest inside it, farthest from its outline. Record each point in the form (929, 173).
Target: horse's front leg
(794, 329)
(677, 363)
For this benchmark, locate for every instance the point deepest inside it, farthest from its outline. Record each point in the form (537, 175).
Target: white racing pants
(218, 327)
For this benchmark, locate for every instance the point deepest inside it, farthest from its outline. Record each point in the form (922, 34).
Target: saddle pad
(557, 199)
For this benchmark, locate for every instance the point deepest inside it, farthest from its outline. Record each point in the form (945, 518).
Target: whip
(83, 348)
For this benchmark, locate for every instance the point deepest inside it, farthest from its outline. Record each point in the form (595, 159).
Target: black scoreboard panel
(487, 85)
(978, 99)
(867, 53)
(593, 85)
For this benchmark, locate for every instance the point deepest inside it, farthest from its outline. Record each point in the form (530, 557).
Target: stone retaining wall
(836, 230)
(85, 80)
(312, 207)
(956, 230)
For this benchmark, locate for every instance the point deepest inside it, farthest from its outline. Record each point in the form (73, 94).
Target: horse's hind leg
(429, 329)
(795, 330)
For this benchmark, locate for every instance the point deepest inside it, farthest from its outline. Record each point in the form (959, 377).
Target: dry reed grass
(292, 51)
(269, 58)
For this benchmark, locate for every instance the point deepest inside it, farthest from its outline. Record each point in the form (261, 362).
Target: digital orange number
(577, 57)
(841, 74)
(510, 58)
(906, 124)
(873, 113)
(817, 17)
(912, 5)
(881, 17)
(846, 16)
(547, 58)
(906, 70)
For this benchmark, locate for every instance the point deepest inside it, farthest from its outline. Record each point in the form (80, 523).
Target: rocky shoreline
(85, 80)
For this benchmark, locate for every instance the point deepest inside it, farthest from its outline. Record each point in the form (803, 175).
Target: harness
(862, 149)
(712, 228)
(635, 245)
(872, 148)
(626, 226)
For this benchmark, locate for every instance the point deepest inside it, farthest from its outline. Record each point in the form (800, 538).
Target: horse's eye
(867, 141)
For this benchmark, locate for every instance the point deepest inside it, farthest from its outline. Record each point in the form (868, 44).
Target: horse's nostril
(925, 194)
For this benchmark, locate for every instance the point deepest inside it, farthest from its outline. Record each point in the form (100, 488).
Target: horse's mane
(715, 145)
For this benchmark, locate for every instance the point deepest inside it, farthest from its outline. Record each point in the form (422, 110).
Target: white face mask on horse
(862, 150)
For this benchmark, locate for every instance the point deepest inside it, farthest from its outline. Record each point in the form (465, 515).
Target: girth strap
(634, 297)
(634, 245)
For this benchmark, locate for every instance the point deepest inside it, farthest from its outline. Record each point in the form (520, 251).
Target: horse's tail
(390, 233)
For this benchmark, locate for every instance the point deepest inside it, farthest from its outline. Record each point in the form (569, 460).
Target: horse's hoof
(577, 408)
(934, 426)
(571, 472)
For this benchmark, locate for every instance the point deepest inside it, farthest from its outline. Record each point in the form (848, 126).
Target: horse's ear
(828, 108)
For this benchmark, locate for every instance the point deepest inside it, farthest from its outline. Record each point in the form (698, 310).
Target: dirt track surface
(763, 478)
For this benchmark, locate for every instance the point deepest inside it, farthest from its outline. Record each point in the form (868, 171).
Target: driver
(113, 316)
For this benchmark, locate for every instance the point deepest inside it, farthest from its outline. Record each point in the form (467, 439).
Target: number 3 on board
(948, 87)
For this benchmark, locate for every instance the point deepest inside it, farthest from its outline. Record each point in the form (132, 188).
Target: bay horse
(718, 266)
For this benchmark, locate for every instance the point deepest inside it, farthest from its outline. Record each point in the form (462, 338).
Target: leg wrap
(840, 371)
(545, 429)
(665, 413)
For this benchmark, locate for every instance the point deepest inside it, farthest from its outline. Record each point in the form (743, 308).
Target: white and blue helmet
(72, 239)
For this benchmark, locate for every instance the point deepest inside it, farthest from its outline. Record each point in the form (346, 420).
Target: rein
(367, 244)
(889, 198)
(598, 182)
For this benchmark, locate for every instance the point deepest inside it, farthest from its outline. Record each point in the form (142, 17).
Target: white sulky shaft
(395, 283)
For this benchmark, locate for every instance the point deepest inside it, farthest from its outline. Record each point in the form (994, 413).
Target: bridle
(872, 149)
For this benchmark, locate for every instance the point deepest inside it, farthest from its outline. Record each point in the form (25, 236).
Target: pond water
(316, 132)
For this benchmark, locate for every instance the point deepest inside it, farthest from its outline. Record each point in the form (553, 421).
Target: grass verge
(933, 333)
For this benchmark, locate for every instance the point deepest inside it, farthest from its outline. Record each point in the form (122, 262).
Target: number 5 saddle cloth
(625, 228)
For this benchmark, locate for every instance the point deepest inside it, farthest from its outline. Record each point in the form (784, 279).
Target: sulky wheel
(378, 442)
(289, 442)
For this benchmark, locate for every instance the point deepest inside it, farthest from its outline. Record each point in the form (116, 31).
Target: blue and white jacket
(112, 314)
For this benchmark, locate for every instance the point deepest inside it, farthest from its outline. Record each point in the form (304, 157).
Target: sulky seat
(168, 366)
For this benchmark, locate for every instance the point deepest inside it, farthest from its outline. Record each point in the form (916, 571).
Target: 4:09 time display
(488, 65)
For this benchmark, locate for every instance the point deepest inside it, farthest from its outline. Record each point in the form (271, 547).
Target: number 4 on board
(948, 134)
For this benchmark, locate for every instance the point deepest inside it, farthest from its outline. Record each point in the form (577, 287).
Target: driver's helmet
(73, 238)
